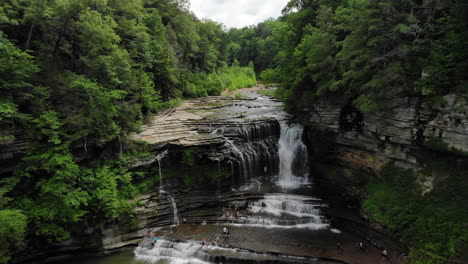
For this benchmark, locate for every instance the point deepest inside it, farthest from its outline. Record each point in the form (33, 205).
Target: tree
(16, 68)
(12, 232)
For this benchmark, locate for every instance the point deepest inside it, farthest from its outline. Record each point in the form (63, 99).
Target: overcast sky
(237, 13)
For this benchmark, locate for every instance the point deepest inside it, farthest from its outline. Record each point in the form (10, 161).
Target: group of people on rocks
(206, 242)
(150, 238)
(231, 216)
(214, 242)
(362, 249)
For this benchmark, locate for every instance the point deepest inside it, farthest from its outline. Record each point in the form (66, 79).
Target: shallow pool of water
(119, 258)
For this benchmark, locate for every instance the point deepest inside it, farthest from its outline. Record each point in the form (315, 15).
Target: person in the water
(155, 240)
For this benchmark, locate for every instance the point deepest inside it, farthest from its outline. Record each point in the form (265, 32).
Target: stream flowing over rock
(253, 178)
(267, 203)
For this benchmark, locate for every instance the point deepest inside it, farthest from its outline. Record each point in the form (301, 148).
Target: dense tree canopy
(77, 74)
(360, 52)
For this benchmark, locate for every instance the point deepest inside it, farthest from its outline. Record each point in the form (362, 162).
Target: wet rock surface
(203, 217)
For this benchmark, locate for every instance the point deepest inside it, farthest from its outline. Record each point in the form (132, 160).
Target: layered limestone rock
(218, 124)
(370, 140)
(190, 124)
(448, 122)
(194, 205)
(224, 130)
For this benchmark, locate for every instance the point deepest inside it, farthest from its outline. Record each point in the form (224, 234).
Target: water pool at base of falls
(264, 231)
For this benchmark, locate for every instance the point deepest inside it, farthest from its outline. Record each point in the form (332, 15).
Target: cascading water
(287, 211)
(292, 155)
(193, 252)
(159, 157)
(254, 151)
(174, 209)
(166, 251)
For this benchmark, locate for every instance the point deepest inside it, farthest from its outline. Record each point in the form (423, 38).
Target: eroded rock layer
(370, 140)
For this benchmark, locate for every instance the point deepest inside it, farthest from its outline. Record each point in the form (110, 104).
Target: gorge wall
(371, 140)
(384, 161)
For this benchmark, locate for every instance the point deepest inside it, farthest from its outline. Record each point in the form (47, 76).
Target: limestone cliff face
(370, 140)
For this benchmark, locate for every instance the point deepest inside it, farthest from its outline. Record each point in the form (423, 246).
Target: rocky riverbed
(280, 216)
(275, 213)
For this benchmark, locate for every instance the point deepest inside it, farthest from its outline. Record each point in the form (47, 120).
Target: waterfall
(287, 211)
(174, 209)
(166, 251)
(193, 252)
(292, 156)
(253, 147)
(159, 157)
(239, 156)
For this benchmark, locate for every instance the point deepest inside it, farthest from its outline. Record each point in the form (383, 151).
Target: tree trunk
(28, 41)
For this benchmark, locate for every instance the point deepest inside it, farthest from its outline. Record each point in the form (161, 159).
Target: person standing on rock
(148, 232)
(384, 255)
(361, 247)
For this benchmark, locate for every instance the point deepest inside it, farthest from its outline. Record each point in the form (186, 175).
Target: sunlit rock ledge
(204, 121)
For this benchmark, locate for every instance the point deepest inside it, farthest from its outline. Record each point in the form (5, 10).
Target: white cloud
(237, 13)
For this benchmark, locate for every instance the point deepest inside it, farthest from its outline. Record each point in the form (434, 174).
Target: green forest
(88, 73)
(78, 74)
(360, 52)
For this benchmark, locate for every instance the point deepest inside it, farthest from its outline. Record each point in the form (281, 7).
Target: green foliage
(432, 225)
(437, 144)
(239, 96)
(268, 92)
(12, 232)
(361, 52)
(76, 74)
(215, 83)
(269, 76)
(15, 68)
(189, 157)
(112, 188)
(99, 118)
(399, 177)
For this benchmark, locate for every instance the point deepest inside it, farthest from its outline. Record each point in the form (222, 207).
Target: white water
(292, 155)
(166, 251)
(159, 157)
(287, 211)
(174, 210)
(192, 252)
